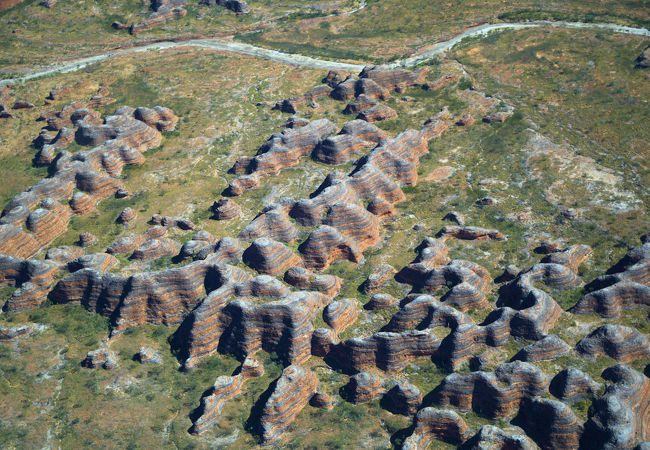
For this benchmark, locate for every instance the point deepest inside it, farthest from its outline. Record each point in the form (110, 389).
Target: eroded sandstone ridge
(499, 346)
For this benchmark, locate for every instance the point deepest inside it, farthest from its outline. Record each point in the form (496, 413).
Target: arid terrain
(345, 224)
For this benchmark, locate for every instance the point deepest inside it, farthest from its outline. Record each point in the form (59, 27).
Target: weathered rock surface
(225, 388)
(10, 333)
(225, 209)
(378, 279)
(270, 257)
(495, 394)
(622, 343)
(643, 61)
(291, 394)
(550, 423)
(548, 348)
(621, 417)
(147, 355)
(470, 233)
(304, 279)
(363, 388)
(377, 113)
(492, 437)
(434, 424)
(340, 314)
(625, 286)
(103, 357)
(572, 384)
(403, 398)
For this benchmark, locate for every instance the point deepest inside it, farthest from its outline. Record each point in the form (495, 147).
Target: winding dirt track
(313, 63)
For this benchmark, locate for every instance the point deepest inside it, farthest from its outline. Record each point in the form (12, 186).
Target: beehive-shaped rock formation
(622, 343)
(225, 209)
(225, 388)
(305, 279)
(341, 314)
(403, 398)
(378, 279)
(364, 387)
(548, 348)
(572, 384)
(621, 416)
(495, 394)
(436, 424)
(291, 394)
(270, 257)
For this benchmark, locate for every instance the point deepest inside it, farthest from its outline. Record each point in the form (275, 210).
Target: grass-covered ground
(578, 139)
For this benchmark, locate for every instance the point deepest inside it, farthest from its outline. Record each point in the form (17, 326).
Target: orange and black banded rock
(291, 394)
(125, 244)
(377, 113)
(361, 103)
(339, 149)
(322, 341)
(304, 279)
(225, 388)
(550, 347)
(494, 438)
(103, 357)
(63, 254)
(394, 79)
(270, 257)
(286, 148)
(390, 352)
(436, 424)
(155, 248)
(363, 131)
(369, 88)
(272, 222)
(626, 286)
(225, 209)
(378, 279)
(159, 117)
(226, 250)
(624, 344)
(21, 104)
(32, 278)
(244, 183)
(572, 384)
(495, 394)
(147, 355)
(470, 233)
(550, 423)
(101, 262)
(199, 241)
(325, 245)
(403, 398)
(123, 129)
(363, 388)
(322, 400)
(55, 94)
(571, 257)
(621, 417)
(87, 239)
(380, 301)
(244, 327)
(381, 208)
(423, 311)
(126, 216)
(82, 203)
(340, 314)
(345, 90)
(355, 223)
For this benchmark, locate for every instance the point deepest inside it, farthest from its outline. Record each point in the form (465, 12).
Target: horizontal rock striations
(225, 388)
(622, 343)
(403, 398)
(621, 417)
(550, 347)
(270, 257)
(495, 394)
(470, 233)
(363, 388)
(492, 437)
(550, 423)
(225, 209)
(572, 384)
(625, 286)
(304, 279)
(340, 314)
(435, 424)
(291, 394)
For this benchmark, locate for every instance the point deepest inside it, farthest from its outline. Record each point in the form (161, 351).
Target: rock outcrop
(340, 314)
(548, 348)
(625, 286)
(270, 257)
(624, 344)
(492, 437)
(304, 279)
(291, 394)
(572, 384)
(621, 417)
(495, 394)
(147, 355)
(225, 209)
(432, 424)
(403, 398)
(550, 423)
(378, 279)
(225, 388)
(470, 233)
(363, 388)
(103, 357)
